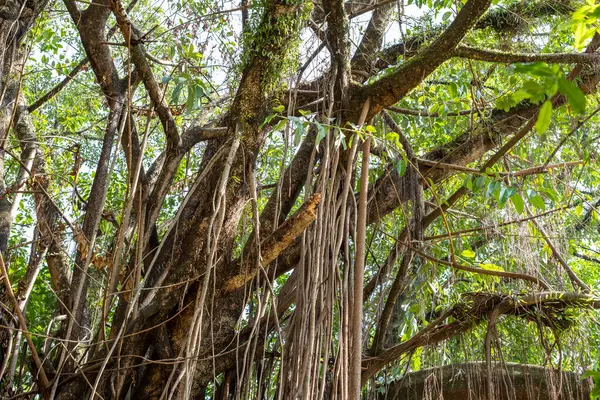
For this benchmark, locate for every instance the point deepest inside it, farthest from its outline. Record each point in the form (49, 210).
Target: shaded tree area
(299, 199)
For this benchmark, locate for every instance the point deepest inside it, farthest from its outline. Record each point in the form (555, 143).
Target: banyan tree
(299, 199)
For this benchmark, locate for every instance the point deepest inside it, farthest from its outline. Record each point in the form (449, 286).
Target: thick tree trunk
(468, 381)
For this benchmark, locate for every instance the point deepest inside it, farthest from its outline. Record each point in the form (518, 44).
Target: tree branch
(55, 90)
(197, 134)
(276, 243)
(366, 53)
(481, 271)
(389, 90)
(466, 380)
(494, 56)
(472, 312)
(138, 56)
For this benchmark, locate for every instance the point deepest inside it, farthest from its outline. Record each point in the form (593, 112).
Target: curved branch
(388, 90)
(197, 134)
(473, 312)
(481, 271)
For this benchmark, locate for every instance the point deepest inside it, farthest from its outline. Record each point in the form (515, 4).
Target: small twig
(54, 91)
(481, 271)
(425, 113)
(586, 257)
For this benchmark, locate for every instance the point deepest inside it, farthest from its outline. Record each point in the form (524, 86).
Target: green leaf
(574, 95)
(518, 202)
(480, 182)
(544, 117)
(468, 253)
(415, 308)
(267, 120)
(538, 202)
(370, 129)
(392, 137)
(552, 194)
(200, 93)
(299, 129)
(279, 108)
(582, 34)
(190, 104)
(468, 182)
(401, 167)
(593, 374)
(505, 194)
(176, 93)
(321, 133)
(491, 267)
(493, 188)
(279, 125)
(453, 89)
(536, 68)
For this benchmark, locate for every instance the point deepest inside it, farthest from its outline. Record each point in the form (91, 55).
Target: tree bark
(468, 381)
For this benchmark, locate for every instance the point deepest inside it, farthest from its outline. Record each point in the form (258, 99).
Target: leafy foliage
(261, 77)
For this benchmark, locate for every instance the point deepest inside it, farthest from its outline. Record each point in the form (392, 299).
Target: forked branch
(138, 56)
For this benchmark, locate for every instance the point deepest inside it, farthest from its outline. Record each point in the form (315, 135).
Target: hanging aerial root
(277, 242)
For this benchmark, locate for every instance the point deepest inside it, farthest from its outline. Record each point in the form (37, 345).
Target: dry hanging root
(314, 365)
(191, 349)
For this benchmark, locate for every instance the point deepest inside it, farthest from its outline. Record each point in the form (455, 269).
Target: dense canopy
(299, 199)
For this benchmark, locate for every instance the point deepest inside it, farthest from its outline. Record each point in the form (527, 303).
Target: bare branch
(55, 90)
(481, 271)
